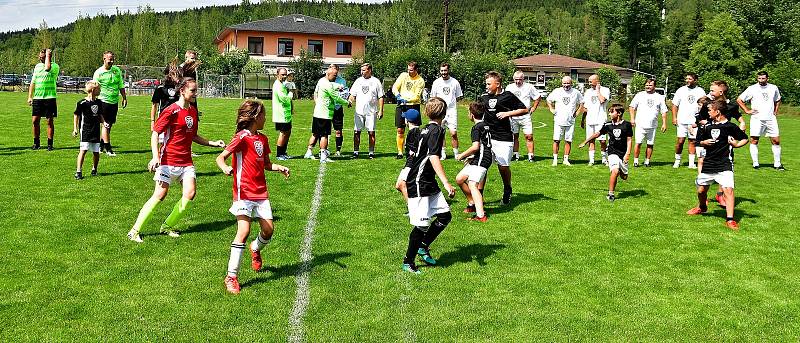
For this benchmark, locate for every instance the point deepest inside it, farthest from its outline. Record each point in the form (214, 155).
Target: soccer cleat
(591, 163)
(399, 156)
(232, 284)
(478, 219)
(337, 154)
(309, 156)
(371, 156)
(611, 197)
(281, 158)
(515, 158)
(676, 165)
(35, 147)
(425, 255)
(566, 163)
(555, 163)
(134, 236)
(647, 165)
(110, 153)
(695, 211)
(604, 162)
(623, 176)
(49, 148)
(780, 168)
(444, 157)
(78, 176)
(506, 197)
(530, 159)
(166, 230)
(257, 262)
(692, 166)
(732, 224)
(756, 166)
(407, 267)
(94, 172)
(355, 155)
(469, 209)
(636, 164)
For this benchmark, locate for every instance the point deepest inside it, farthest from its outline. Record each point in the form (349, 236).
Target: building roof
(298, 23)
(560, 61)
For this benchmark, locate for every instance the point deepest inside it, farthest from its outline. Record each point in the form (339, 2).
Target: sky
(22, 14)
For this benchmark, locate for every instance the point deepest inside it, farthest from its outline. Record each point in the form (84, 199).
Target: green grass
(560, 263)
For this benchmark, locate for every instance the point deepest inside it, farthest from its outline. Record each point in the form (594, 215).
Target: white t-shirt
(596, 111)
(367, 93)
(686, 101)
(648, 106)
(527, 93)
(449, 90)
(762, 100)
(566, 104)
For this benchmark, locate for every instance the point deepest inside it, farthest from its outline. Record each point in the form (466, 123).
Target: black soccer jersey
(483, 157)
(411, 141)
(165, 96)
(496, 103)
(421, 181)
(617, 137)
(88, 113)
(731, 111)
(719, 156)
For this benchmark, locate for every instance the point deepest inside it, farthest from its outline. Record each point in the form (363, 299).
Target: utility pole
(446, 14)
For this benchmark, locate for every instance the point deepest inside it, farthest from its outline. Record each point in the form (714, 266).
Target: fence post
(241, 86)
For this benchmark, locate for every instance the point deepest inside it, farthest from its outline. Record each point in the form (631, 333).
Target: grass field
(560, 263)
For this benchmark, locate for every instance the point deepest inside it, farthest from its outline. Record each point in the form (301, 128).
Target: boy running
(618, 150)
(480, 158)
(89, 119)
(412, 116)
(250, 150)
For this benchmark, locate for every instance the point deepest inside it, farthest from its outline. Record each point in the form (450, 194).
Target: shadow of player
(635, 193)
(516, 200)
(292, 269)
(469, 253)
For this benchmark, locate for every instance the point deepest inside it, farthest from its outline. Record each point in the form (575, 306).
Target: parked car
(147, 83)
(9, 80)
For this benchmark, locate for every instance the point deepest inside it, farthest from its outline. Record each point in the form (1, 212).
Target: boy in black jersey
(87, 122)
(719, 138)
(413, 135)
(425, 199)
(480, 159)
(619, 133)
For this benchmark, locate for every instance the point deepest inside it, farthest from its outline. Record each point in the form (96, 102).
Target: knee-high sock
(339, 140)
(776, 154)
(414, 241)
(754, 154)
(180, 208)
(401, 140)
(145, 213)
(442, 219)
(236, 257)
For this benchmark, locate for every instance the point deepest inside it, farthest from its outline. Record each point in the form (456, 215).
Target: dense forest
(729, 39)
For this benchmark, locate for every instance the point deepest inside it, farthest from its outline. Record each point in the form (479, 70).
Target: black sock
(414, 241)
(280, 150)
(36, 141)
(49, 142)
(339, 140)
(728, 218)
(442, 219)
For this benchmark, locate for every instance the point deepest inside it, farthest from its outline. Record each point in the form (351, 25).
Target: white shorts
(421, 209)
(616, 162)
(563, 133)
(403, 174)
(474, 173)
(364, 121)
(252, 208)
(724, 179)
(701, 151)
(767, 128)
(502, 152)
(645, 134)
(686, 130)
(592, 129)
(451, 120)
(93, 147)
(168, 174)
(523, 122)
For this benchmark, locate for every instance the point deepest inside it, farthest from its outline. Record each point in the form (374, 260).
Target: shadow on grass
(738, 214)
(469, 253)
(213, 226)
(277, 272)
(635, 193)
(140, 171)
(516, 200)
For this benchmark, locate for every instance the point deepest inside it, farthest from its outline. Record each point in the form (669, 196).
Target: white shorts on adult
(563, 133)
(767, 128)
(616, 162)
(724, 179)
(93, 147)
(686, 130)
(522, 122)
(451, 120)
(403, 174)
(648, 135)
(701, 152)
(252, 208)
(592, 129)
(364, 122)
(474, 173)
(168, 174)
(502, 152)
(421, 209)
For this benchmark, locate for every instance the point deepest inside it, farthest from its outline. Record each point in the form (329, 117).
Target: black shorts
(283, 127)
(44, 108)
(399, 121)
(109, 112)
(338, 119)
(320, 127)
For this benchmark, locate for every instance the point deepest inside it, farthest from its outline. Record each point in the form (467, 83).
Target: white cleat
(591, 163)
(692, 166)
(309, 156)
(566, 163)
(676, 165)
(555, 163)
(134, 236)
(165, 230)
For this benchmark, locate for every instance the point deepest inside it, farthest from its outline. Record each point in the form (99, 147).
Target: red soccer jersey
(249, 156)
(179, 126)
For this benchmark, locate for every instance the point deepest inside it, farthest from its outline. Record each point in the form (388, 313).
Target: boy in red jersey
(173, 161)
(250, 150)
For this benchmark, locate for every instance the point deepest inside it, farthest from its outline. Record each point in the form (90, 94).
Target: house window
(315, 47)
(344, 48)
(255, 45)
(285, 47)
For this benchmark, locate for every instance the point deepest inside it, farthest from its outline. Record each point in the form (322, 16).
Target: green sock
(177, 212)
(145, 213)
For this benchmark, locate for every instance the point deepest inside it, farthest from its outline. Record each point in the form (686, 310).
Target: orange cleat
(478, 219)
(469, 209)
(232, 284)
(256, 264)
(732, 224)
(695, 211)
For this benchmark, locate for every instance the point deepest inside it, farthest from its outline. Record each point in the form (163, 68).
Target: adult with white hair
(644, 109)
(564, 104)
(595, 101)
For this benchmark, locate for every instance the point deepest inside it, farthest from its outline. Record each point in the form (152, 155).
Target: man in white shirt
(684, 109)
(595, 101)
(367, 94)
(564, 104)
(526, 93)
(449, 90)
(765, 100)
(646, 106)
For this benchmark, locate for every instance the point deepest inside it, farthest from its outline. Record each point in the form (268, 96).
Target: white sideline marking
(306, 257)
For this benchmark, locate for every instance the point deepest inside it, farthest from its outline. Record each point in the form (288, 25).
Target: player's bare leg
(477, 199)
(636, 152)
(529, 145)
(35, 120)
(356, 142)
(555, 152)
(371, 144)
(516, 145)
(461, 181)
(776, 153)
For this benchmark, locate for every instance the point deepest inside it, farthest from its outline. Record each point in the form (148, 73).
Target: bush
(637, 84)
(610, 78)
(308, 69)
(230, 62)
(253, 66)
(396, 62)
(555, 82)
(785, 73)
(470, 70)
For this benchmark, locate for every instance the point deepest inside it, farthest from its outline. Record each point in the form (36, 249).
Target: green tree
(523, 38)
(610, 78)
(308, 69)
(42, 40)
(721, 50)
(637, 84)
(555, 82)
(785, 74)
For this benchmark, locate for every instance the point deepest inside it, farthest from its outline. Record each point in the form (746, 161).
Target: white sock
(530, 155)
(236, 256)
(455, 151)
(635, 160)
(776, 154)
(555, 157)
(566, 158)
(443, 154)
(691, 159)
(516, 154)
(371, 150)
(754, 153)
(591, 156)
(258, 243)
(309, 152)
(646, 161)
(678, 157)
(604, 156)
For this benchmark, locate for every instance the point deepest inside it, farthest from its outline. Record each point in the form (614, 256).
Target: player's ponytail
(247, 114)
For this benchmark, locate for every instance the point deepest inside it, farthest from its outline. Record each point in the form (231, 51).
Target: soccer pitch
(559, 263)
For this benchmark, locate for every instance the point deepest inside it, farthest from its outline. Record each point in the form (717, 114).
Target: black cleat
(49, 148)
(399, 156)
(35, 147)
(94, 172)
(506, 197)
(647, 165)
(78, 176)
(371, 156)
(756, 167)
(611, 197)
(780, 168)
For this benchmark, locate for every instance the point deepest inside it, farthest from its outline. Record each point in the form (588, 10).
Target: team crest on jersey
(189, 122)
(492, 103)
(651, 102)
(518, 94)
(765, 96)
(171, 92)
(446, 90)
(691, 99)
(94, 109)
(616, 132)
(595, 99)
(715, 133)
(565, 100)
(259, 148)
(409, 85)
(365, 89)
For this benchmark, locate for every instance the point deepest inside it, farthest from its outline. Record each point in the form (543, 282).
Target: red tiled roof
(553, 60)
